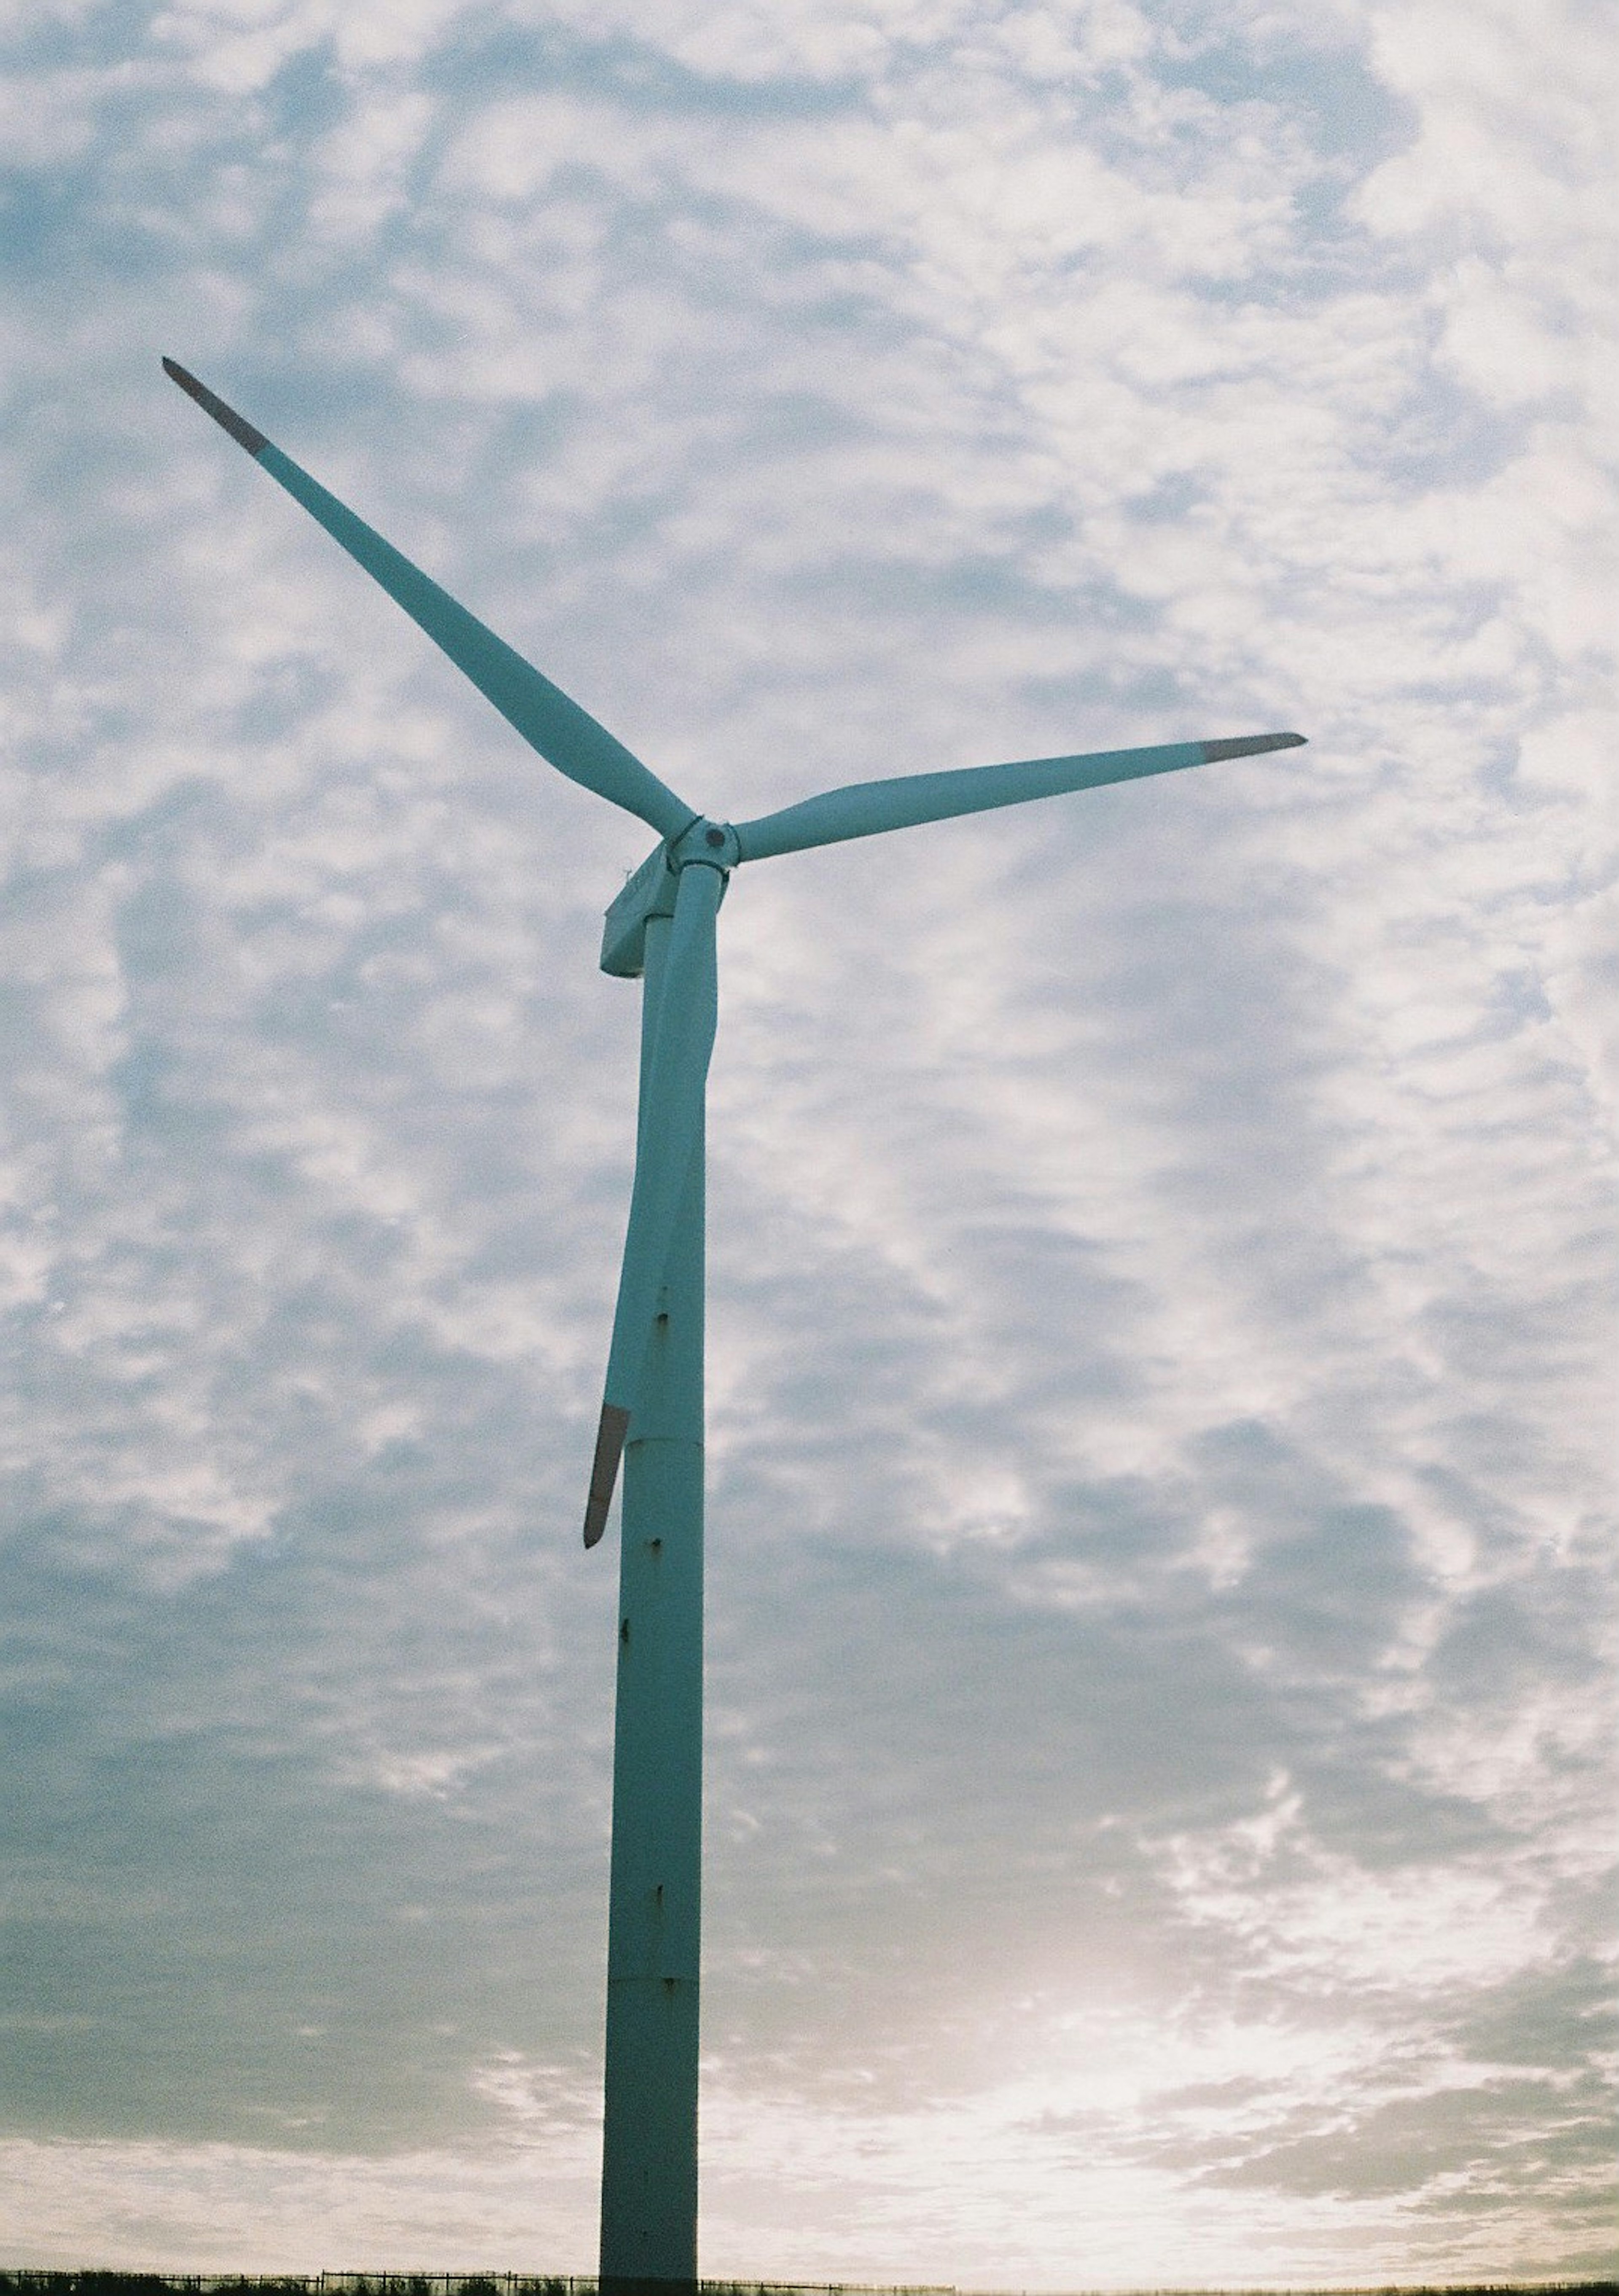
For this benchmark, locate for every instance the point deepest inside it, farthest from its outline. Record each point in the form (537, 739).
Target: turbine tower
(661, 929)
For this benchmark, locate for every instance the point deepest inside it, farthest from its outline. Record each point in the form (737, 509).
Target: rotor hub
(713, 843)
(702, 844)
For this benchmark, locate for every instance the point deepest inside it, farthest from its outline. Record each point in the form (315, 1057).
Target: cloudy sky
(1161, 1271)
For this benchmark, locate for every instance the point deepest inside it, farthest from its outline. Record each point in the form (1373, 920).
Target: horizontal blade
(669, 1131)
(562, 733)
(866, 807)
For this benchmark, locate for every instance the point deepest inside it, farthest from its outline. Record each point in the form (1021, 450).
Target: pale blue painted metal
(866, 808)
(649, 2153)
(683, 1007)
(548, 720)
(648, 893)
(567, 736)
(663, 924)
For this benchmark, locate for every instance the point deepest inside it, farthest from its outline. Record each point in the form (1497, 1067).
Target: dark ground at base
(93, 2283)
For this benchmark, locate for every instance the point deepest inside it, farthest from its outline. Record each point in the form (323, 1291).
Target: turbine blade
(562, 733)
(866, 807)
(670, 1130)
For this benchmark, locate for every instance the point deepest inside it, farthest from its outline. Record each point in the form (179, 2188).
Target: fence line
(31, 2281)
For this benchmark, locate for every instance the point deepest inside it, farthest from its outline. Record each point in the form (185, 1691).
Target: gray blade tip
(1250, 745)
(226, 417)
(604, 1470)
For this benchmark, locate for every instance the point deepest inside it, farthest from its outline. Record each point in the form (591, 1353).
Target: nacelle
(651, 892)
(648, 893)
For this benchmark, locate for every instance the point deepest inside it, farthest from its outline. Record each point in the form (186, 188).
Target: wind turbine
(662, 929)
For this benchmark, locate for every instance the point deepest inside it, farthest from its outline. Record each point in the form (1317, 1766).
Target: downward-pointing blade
(568, 736)
(669, 1133)
(866, 807)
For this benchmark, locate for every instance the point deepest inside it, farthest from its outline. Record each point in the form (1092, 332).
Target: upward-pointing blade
(669, 1131)
(866, 807)
(562, 733)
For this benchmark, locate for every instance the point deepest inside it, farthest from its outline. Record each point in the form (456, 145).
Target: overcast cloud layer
(1160, 1782)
